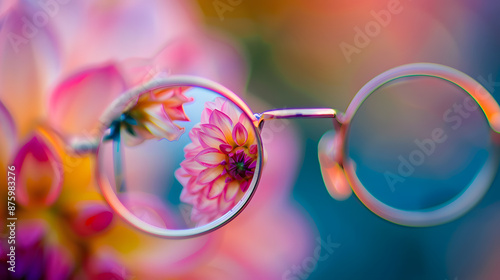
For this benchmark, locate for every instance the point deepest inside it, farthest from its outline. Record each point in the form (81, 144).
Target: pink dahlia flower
(220, 161)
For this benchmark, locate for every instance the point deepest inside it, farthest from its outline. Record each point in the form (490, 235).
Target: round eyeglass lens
(179, 161)
(418, 144)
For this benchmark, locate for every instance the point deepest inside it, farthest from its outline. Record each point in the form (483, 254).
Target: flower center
(241, 165)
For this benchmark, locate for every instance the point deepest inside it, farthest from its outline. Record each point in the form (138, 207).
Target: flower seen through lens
(219, 162)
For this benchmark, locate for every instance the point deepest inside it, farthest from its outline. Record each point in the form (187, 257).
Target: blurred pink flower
(8, 137)
(54, 77)
(220, 161)
(39, 174)
(90, 217)
(8, 141)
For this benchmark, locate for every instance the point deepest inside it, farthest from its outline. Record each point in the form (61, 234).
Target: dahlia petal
(210, 174)
(244, 186)
(237, 176)
(172, 97)
(224, 205)
(253, 149)
(205, 116)
(240, 134)
(59, 263)
(77, 103)
(216, 188)
(223, 122)
(91, 218)
(248, 160)
(29, 63)
(191, 152)
(243, 119)
(30, 244)
(158, 130)
(160, 125)
(253, 165)
(208, 141)
(210, 157)
(8, 137)
(193, 186)
(173, 104)
(192, 167)
(166, 95)
(219, 102)
(39, 174)
(140, 136)
(210, 105)
(213, 130)
(191, 147)
(182, 176)
(225, 148)
(31, 232)
(230, 110)
(204, 204)
(176, 113)
(231, 190)
(193, 135)
(187, 197)
(203, 217)
(196, 215)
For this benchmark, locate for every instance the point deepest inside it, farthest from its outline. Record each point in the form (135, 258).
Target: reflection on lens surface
(418, 142)
(179, 158)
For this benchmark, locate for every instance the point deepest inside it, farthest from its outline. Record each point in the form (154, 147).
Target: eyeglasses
(413, 145)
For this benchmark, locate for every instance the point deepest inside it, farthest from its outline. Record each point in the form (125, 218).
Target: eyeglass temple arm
(295, 113)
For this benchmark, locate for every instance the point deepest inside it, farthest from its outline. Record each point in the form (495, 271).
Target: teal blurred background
(310, 54)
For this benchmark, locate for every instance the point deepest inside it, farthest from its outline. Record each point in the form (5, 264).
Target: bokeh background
(283, 53)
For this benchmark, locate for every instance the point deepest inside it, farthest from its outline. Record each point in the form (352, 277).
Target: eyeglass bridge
(330, 146)
(296, 113)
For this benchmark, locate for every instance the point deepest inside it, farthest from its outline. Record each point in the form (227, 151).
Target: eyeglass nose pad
(333, 173)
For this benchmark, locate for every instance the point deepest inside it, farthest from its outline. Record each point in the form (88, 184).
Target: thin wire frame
(464, 201)
(454, 209)
(123, 103)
